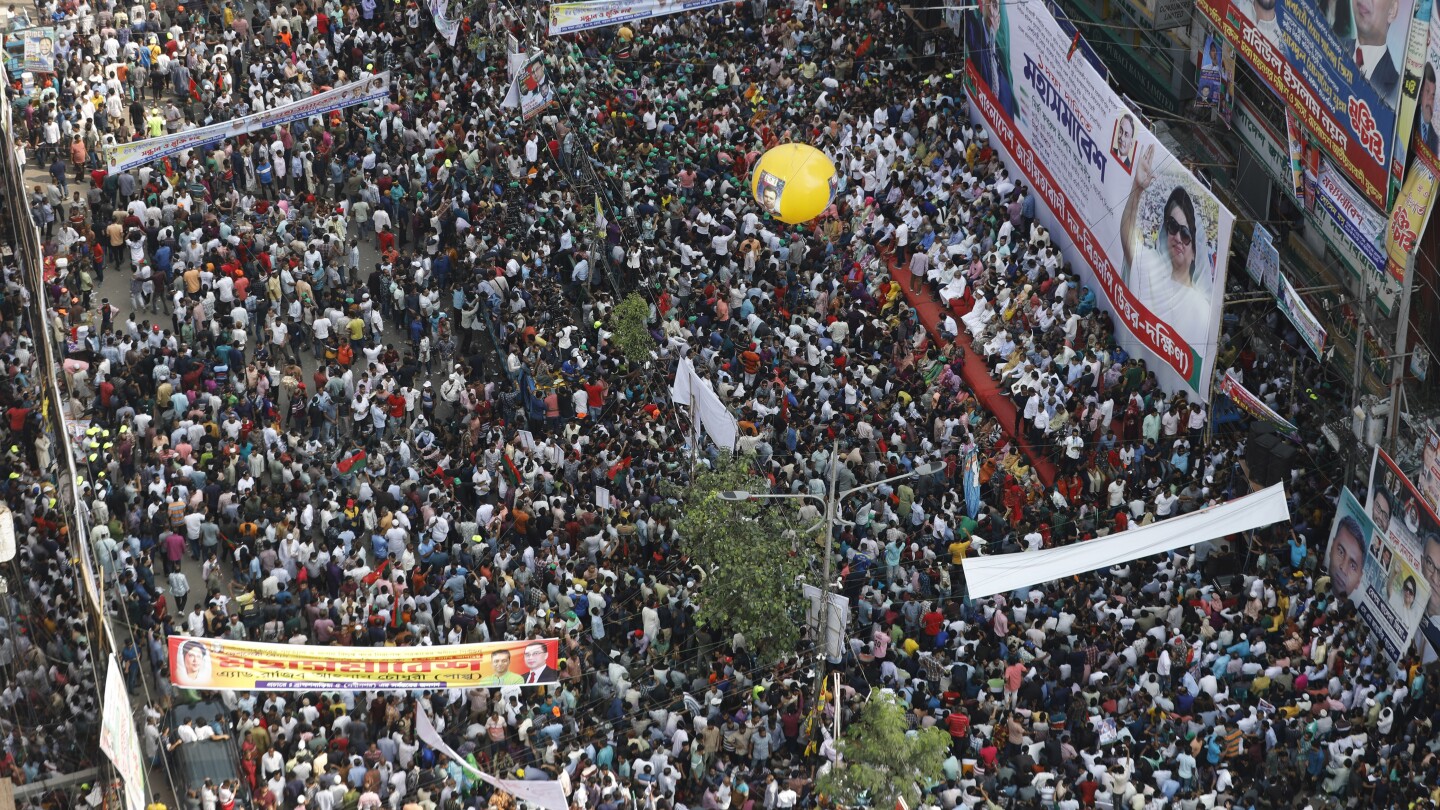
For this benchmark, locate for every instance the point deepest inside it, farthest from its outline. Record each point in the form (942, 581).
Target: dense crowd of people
(365, 385)
(47, 661)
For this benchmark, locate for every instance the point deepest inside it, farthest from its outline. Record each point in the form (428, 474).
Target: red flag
(194, 90)
(356, 462)
(1074, 46)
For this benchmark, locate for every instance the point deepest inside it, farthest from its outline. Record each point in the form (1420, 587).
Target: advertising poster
(118, 739)
(1160, 263)
(1227, 99)
(1362, 225)
(212, 663)
(39, 50)
(1312, 174)
(1263, 263)
(124, 156)
(1209, 87)
(1406, 571)
(1364, 568)
(569, 18)
(1336, 65)
(1340, 224)
(1299, 314)
(1253, 405)
(1295, 142)
(536, 92)
(1429, 483)
(1416, 54)
(1411, 212)
(1426, 120)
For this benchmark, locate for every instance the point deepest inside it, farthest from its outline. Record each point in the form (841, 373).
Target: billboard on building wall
(1147, 235)
(1338, 69)
(1405, 575)
(1368, 565)
(1352, 228)
(1413, 206)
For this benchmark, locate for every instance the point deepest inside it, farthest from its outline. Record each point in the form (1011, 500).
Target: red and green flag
(509, 470)
(353, 463)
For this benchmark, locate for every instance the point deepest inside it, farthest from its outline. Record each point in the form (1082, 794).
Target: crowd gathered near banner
(360, 394)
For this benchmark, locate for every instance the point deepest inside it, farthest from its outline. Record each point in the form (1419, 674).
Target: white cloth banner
(137, 153)
(987, 576)
(448, 26)
(514, 62)
(118, 739)
(568, 18)
(695, 392)
(547, 794)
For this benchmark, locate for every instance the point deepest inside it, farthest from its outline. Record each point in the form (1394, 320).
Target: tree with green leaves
(629, 330)
(752, 554)
(881, 761)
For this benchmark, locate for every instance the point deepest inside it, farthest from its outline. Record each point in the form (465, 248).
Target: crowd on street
(353, 381)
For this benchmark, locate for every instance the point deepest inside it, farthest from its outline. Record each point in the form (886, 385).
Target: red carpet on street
(975, 372)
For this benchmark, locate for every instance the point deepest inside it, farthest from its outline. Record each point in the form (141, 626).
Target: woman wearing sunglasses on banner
(1164, 277)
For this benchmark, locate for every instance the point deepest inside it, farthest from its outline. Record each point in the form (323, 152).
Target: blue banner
(1338, 68)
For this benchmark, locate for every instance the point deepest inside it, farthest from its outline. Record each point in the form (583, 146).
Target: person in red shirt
(17, 416)
(595, 397)
(931, 623)
(396, 405)
(958, 724)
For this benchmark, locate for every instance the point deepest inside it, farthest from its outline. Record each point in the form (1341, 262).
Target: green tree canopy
(629, 332)
(881, 761)
(750, 554)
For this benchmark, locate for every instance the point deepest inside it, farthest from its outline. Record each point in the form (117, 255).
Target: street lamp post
(831, 502)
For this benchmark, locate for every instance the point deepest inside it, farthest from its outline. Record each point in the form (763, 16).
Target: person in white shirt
(186, 733)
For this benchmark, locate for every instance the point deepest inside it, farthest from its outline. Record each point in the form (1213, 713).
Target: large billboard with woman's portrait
(1142, 231)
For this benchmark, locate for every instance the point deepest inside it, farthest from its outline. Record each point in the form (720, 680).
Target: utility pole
(831, 508)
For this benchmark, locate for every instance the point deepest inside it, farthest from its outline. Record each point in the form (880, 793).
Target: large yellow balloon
(795, 182)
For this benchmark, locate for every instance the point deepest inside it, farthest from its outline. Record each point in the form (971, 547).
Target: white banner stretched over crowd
(693, 391)
(137, 153)
(1002, 573)
(569, 18)
(1141, 230)
(118, 739)
(547, 794)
